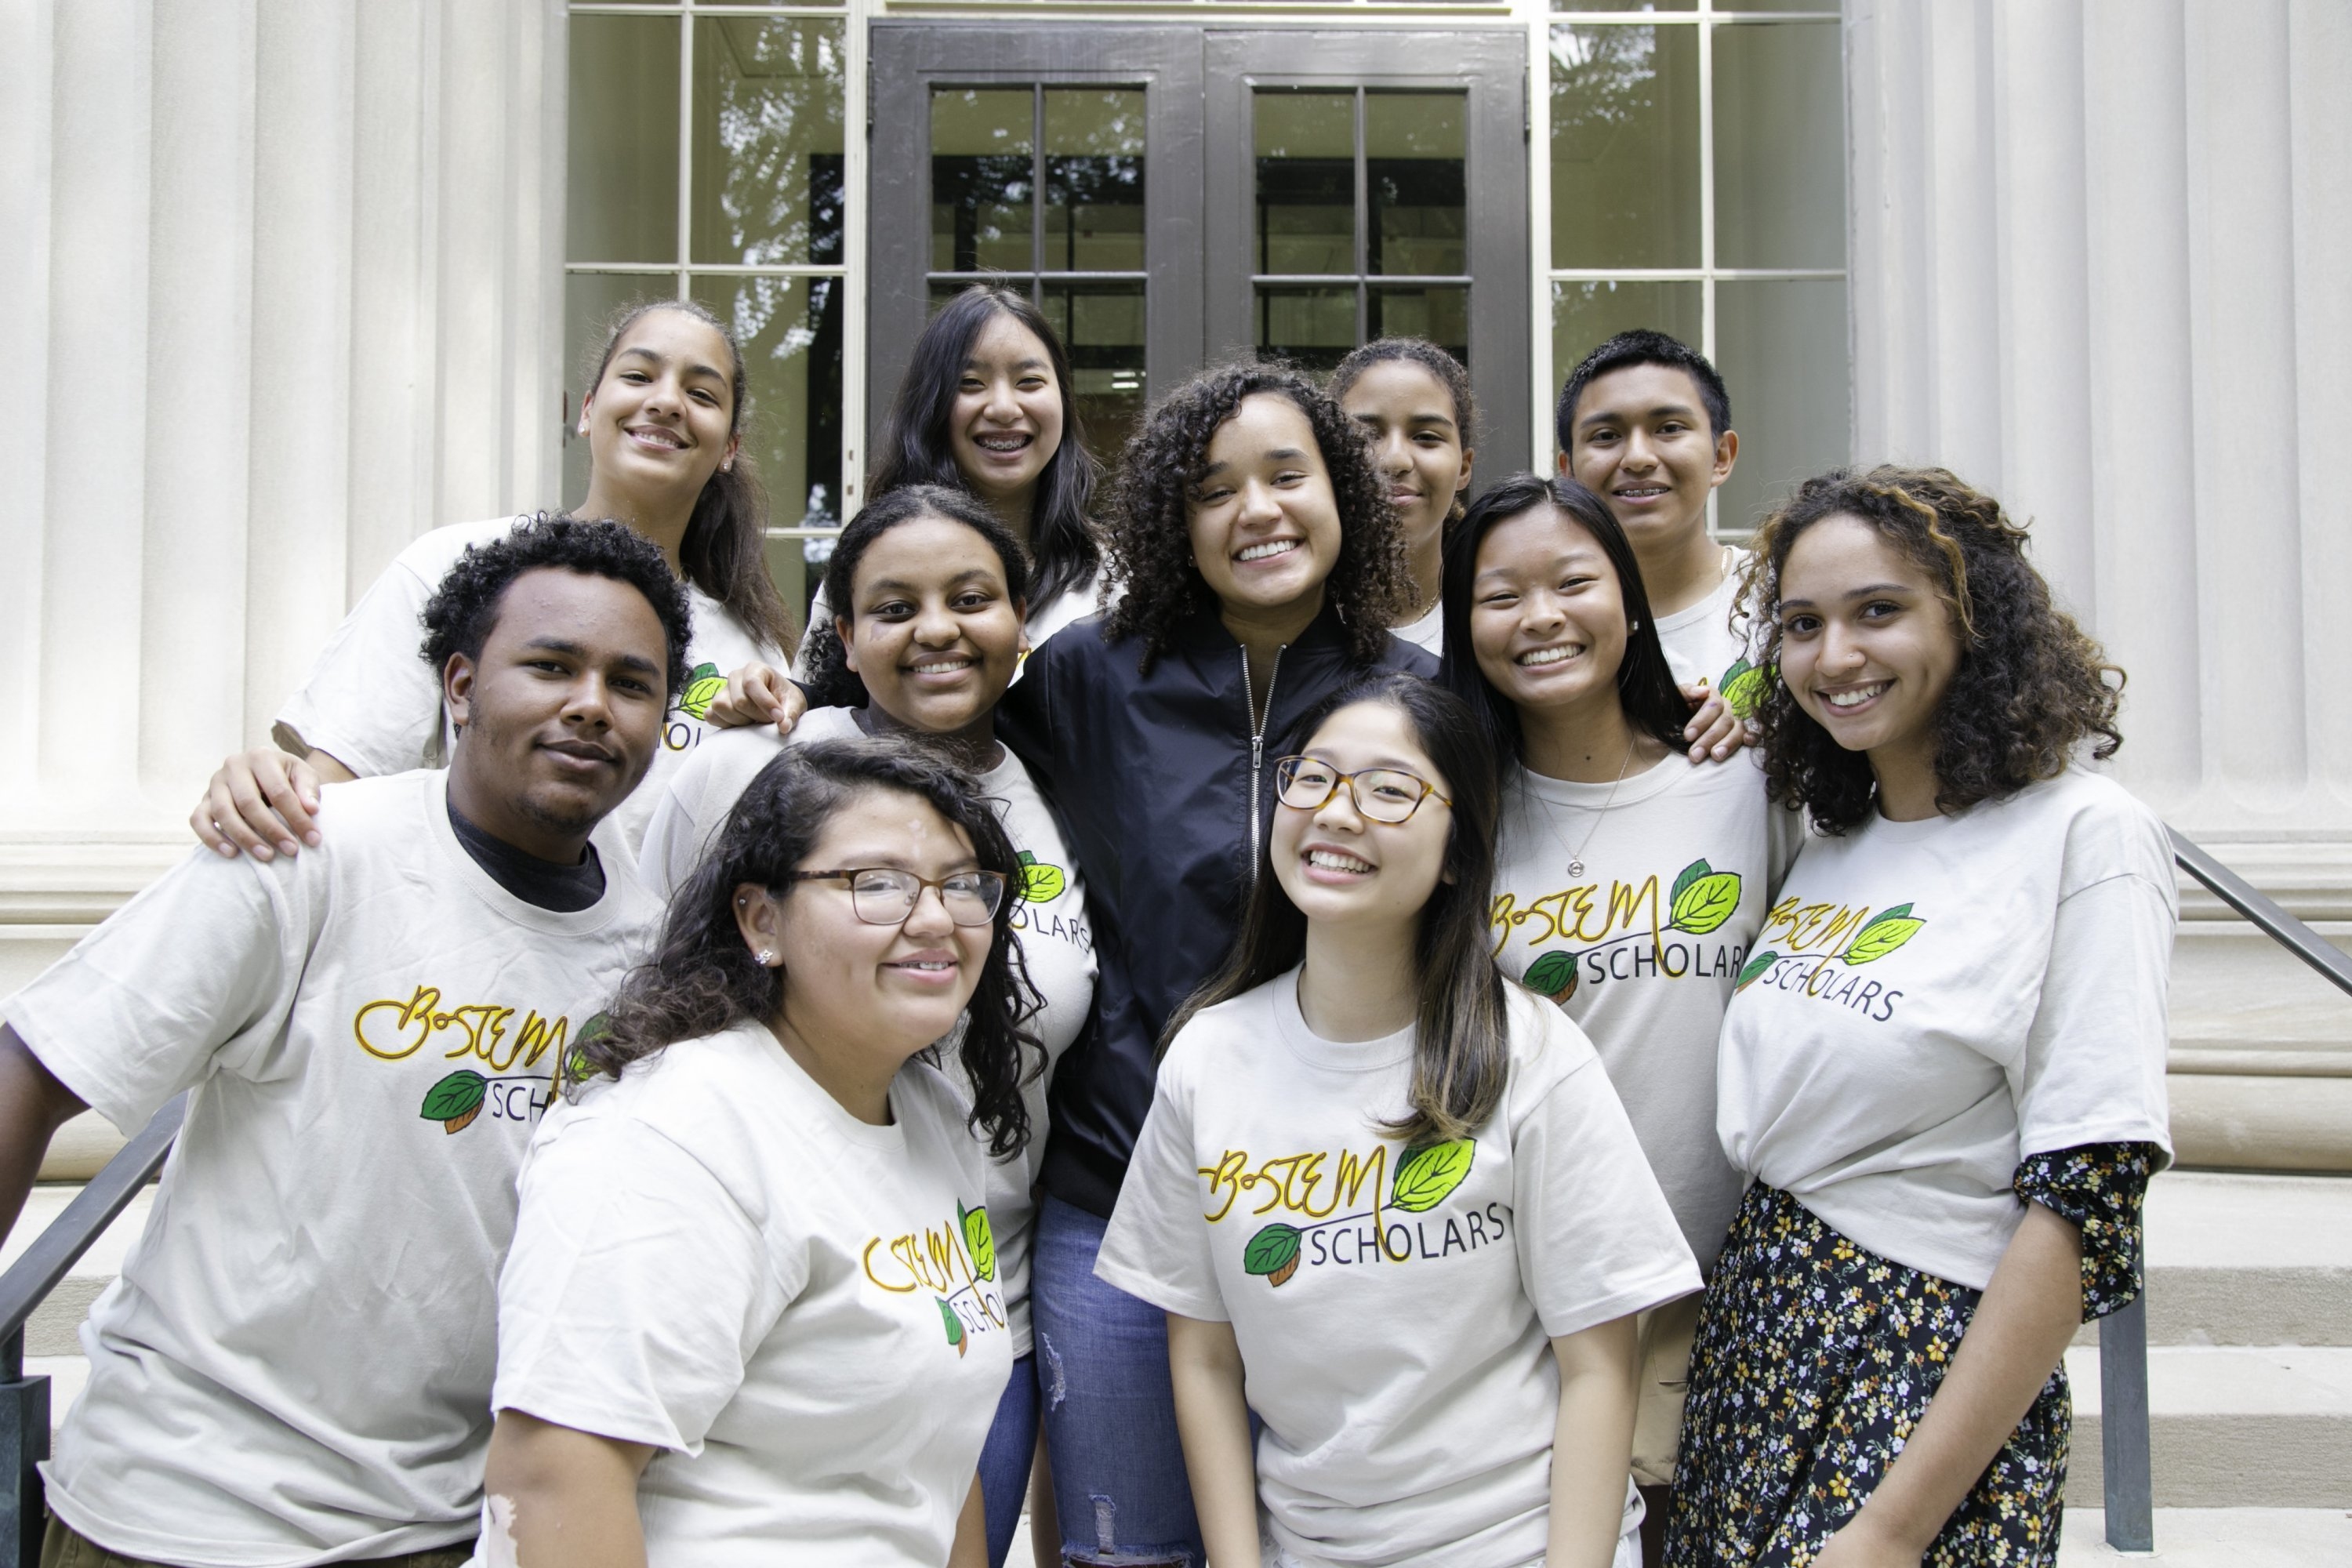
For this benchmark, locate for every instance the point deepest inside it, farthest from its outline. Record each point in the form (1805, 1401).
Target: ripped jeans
(1109, 1410)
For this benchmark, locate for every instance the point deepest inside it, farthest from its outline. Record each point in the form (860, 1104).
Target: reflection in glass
(1585, 315)
(621, 162)
(1624, 146)
(1102, 326)
(1440, 315)
(983, 144)
(1781, 347)
(1650, 5)
(1779, 146)
(1093, 180)
(591, 301)
(1413, 164)
(1312, 328)
(767, 141)
(1306, 182)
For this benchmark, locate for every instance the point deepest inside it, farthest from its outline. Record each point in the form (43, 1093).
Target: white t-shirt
(1930, 1001)
(1643, 948)
(373, 704)
(295, 1364)
(1057, 945)
(1702, 642)
(1394, 1308)
(796, 1308)
(1427, 632)
(1088, 598)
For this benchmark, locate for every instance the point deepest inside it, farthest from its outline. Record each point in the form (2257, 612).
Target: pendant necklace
(1576, 856)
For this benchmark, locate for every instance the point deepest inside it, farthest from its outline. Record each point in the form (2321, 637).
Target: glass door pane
(983, 161)
(1416, 178)
(1094, 181)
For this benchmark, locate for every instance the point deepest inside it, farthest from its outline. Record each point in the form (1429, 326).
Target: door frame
(909, 58)
(1491, 65)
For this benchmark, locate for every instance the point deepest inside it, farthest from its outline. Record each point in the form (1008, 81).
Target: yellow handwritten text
(392, 1030)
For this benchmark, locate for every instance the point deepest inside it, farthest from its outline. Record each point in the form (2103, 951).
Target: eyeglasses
(884, 896)
(1381, 794)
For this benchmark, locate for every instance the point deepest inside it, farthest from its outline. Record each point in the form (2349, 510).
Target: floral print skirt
(1814, 1362)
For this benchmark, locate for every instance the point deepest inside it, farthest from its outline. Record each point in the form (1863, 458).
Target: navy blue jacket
(1168, 793)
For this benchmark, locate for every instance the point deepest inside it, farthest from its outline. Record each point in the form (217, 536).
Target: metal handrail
(2263, 912)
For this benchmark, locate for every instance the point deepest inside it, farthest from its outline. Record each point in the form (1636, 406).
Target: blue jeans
(1005, 1457)
(1120, 1488)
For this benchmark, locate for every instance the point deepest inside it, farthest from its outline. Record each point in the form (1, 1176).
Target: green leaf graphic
(459, 1094)
(1273, 1252)
(1552, 975)
(1706, 903)
(1040, 883)
(955, 1325)
(1754, 967)
(979, 1240)
(1426, 1175)
(1881, 935)
(1691, 873)
(1743, 689)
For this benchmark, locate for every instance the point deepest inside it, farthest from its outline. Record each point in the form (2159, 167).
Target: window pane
(1585, 315)
(1312, 328)
(621, 168)
(1624, 147)
(767, 141)
(1093, 180)
(1413, 148)
(1306, 182)
(1441, 315)
(1782, 351)
(1636, 6)
(591, 301)
(983, 148)
(1831, 6)
(1102, 326)
(1779, 146)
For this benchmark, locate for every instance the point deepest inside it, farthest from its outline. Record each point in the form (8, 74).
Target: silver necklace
(1576, 856)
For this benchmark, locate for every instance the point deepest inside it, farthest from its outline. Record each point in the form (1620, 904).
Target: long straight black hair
(1653, 703)
(724, 553)
(1462, 1049)
(915, 448)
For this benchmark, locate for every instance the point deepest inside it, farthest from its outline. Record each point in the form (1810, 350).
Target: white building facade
(295, 280)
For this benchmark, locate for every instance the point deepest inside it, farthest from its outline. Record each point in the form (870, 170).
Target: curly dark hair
(831, 682)
(2031, 686)
(703, 978)
(459, 617)
(1152, 539)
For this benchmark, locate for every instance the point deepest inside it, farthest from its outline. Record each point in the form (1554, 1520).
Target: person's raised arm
(557, 1498)
(262, 801)
(1593, 1443)
(33, 1106)
(2022, 1328)
(1213, 1422)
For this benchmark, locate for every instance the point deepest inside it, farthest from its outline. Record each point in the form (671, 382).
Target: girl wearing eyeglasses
(1630, 883)
(934, 590)
(1389, 1200)
(753, 1304)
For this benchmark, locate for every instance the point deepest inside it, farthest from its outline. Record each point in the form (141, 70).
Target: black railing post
(23, 1443)
(2123, 1426)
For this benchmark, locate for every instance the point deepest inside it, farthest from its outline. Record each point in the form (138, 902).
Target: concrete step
(2230, 1427)
(2247, 1260)
(2217, 1538)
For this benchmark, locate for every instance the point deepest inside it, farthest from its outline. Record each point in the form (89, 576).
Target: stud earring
(767, 958)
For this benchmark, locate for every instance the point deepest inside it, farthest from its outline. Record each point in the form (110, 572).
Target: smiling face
(560, 717)
(658, 422)
(1642, 443)
(1868, 644)
(1005, 424)
(1341, 868)
(1265, 522)
(1547, 613)
(882, 992)
(1417, 449)
(932, 631)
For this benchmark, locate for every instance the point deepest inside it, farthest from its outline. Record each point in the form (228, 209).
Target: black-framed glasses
(1381, 794)
(884, 896)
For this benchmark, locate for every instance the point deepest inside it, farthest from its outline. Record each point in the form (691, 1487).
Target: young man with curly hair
(295, 1364)
(1261, 568)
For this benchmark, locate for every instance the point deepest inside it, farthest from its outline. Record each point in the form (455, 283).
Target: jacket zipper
(1257, 742)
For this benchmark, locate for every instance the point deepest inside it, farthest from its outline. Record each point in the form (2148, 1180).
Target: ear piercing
(767, 958)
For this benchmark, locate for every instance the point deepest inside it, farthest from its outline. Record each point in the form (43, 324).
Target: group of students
(1277, 1015)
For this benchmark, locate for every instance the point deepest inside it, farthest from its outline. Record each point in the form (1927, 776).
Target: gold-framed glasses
(1381, 794)
(884, 895)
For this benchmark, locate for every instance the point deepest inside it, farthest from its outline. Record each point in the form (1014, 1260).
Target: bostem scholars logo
(1370, 1233)
(1742, 687)
(955, 1264)
(691, 708)
(1802, 942)
(1613, 931)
